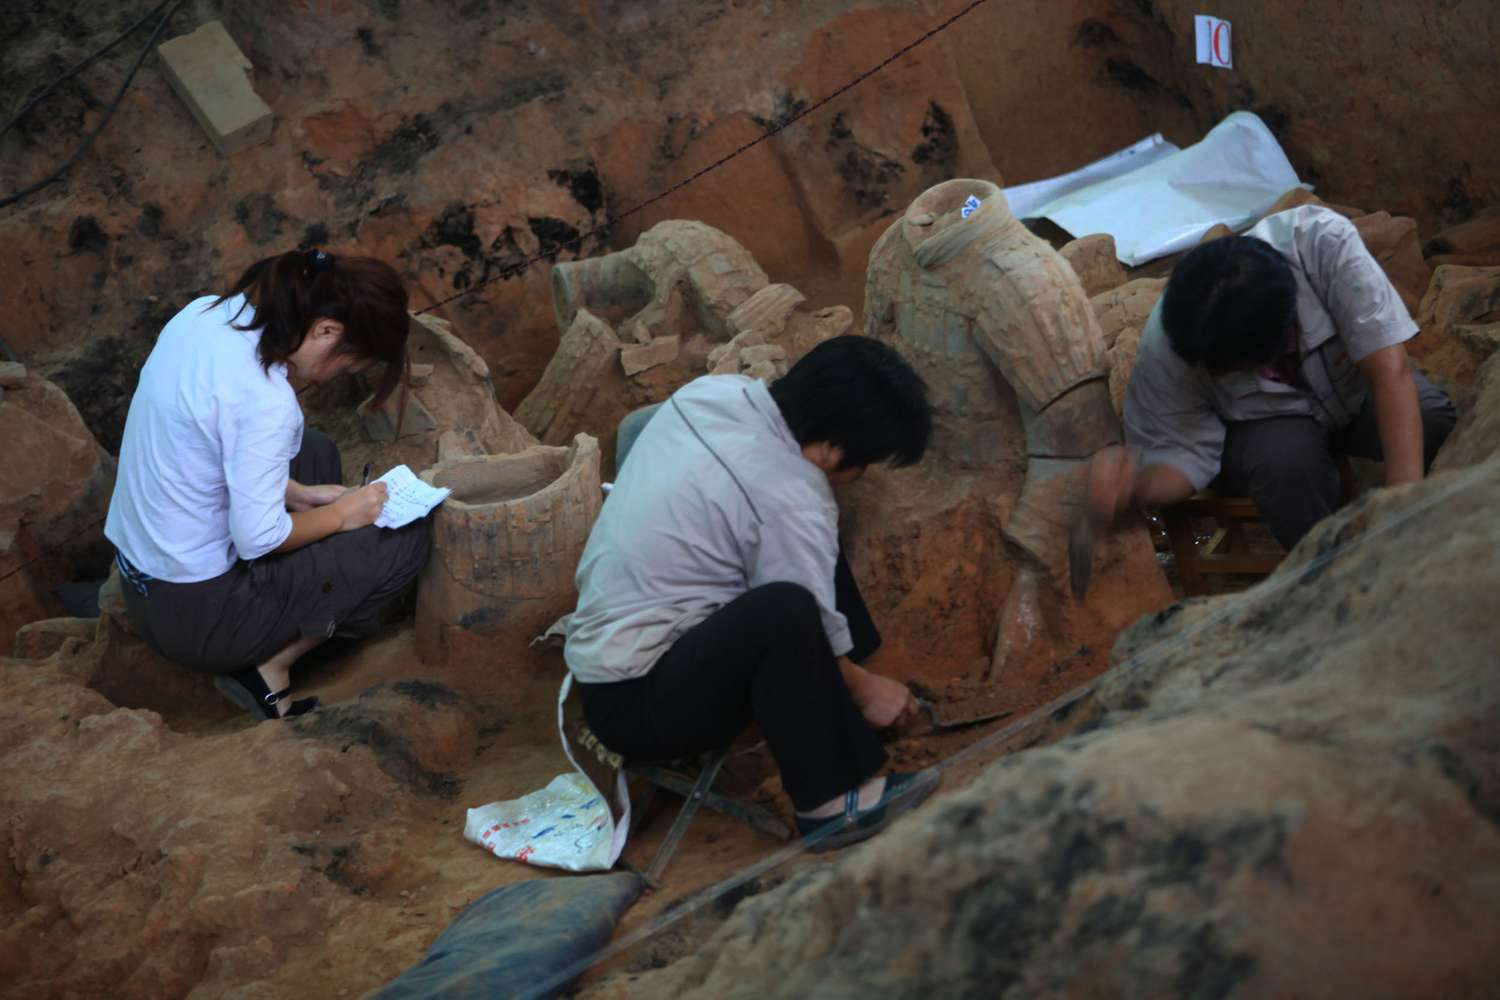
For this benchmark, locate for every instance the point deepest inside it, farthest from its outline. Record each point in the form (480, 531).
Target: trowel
(959, 720)
(1080, 556)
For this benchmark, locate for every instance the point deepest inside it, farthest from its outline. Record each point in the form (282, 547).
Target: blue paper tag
(971, 205)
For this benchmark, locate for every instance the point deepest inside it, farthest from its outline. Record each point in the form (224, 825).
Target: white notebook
(407, 498)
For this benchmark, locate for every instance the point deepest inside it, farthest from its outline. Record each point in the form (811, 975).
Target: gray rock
(1291, 791)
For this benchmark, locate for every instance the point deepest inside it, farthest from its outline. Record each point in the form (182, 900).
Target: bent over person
(239, 548)
(712, 591)
(1270, 355)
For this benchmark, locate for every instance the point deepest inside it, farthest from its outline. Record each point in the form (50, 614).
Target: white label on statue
(970, 206)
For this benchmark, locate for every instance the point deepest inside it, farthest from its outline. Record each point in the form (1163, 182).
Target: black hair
(1229, 304)
(859, 394)
(292, 291)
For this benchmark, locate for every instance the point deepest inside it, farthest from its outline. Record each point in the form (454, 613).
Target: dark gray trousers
(334, 587)
(1289, 465)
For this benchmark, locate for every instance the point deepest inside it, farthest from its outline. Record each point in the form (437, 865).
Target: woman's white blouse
(207, 446)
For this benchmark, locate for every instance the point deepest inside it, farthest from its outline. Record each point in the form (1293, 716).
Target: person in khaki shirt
(1270, 355)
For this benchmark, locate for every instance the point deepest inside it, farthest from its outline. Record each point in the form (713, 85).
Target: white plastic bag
(566, 825)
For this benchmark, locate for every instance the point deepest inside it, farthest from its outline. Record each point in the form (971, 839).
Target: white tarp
(1173, 197)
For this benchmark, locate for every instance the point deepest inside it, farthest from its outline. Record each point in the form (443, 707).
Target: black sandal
(249, 691)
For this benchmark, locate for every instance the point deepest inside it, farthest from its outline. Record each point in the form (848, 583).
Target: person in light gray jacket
(712, 591)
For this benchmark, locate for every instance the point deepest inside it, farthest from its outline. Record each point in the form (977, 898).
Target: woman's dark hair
(292, 291)
(1229, 304)
(858, 394)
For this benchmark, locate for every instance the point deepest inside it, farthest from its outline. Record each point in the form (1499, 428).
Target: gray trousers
(334, 587)
(1289, 465)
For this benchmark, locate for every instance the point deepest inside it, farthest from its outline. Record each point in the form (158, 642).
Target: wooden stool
(1227, 551)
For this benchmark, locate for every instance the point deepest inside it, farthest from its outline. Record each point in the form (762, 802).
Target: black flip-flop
(249, 691)
(903, 793)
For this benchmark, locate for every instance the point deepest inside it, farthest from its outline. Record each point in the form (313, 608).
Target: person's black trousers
(763, 657)
(1288, 465)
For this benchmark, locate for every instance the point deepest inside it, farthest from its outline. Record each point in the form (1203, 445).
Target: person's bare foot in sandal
(262, 690)
(861, 813)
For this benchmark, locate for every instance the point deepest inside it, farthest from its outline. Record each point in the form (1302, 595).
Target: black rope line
(109, 112)
(510, 272)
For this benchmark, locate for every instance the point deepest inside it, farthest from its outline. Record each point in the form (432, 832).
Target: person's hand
(1111, 484)
(320, 496)
(358, 508)
(884, 702)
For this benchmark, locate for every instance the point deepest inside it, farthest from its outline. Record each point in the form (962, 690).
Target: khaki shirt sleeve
(1168, 417)
(1366, 309)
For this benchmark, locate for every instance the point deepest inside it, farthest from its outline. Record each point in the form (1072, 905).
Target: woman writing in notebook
(239, 549)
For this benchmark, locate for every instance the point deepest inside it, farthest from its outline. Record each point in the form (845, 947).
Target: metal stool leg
(695, 797)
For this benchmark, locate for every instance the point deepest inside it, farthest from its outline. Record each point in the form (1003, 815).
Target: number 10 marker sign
(1214, 37)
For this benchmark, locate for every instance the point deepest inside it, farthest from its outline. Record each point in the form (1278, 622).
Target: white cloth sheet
(1155, 199)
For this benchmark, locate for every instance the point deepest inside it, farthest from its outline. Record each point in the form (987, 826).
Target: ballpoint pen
(364, 479)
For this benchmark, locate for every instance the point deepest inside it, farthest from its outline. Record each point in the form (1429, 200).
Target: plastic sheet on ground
(1157, 200)
(515, 941)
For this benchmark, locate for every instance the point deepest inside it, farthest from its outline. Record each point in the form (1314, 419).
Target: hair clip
(318, 261)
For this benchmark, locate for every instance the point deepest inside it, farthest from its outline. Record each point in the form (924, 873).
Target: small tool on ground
(957, 721)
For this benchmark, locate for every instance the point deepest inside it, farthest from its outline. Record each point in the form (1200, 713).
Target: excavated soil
(158, 844)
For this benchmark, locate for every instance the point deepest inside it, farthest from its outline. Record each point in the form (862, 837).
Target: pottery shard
(660, 351)
(448, 405)
(764, 352)
(554, 409)
(1392, 241)
(1295, 198)
(765, 371)
(1122, 314)
(1216, 232)
(1122, 309)
(1209, 831)
(729, 353)
(1093, 260)
(680, 277)
(766, 311)
(1459, 295)
(390, 419)
(834, 321)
